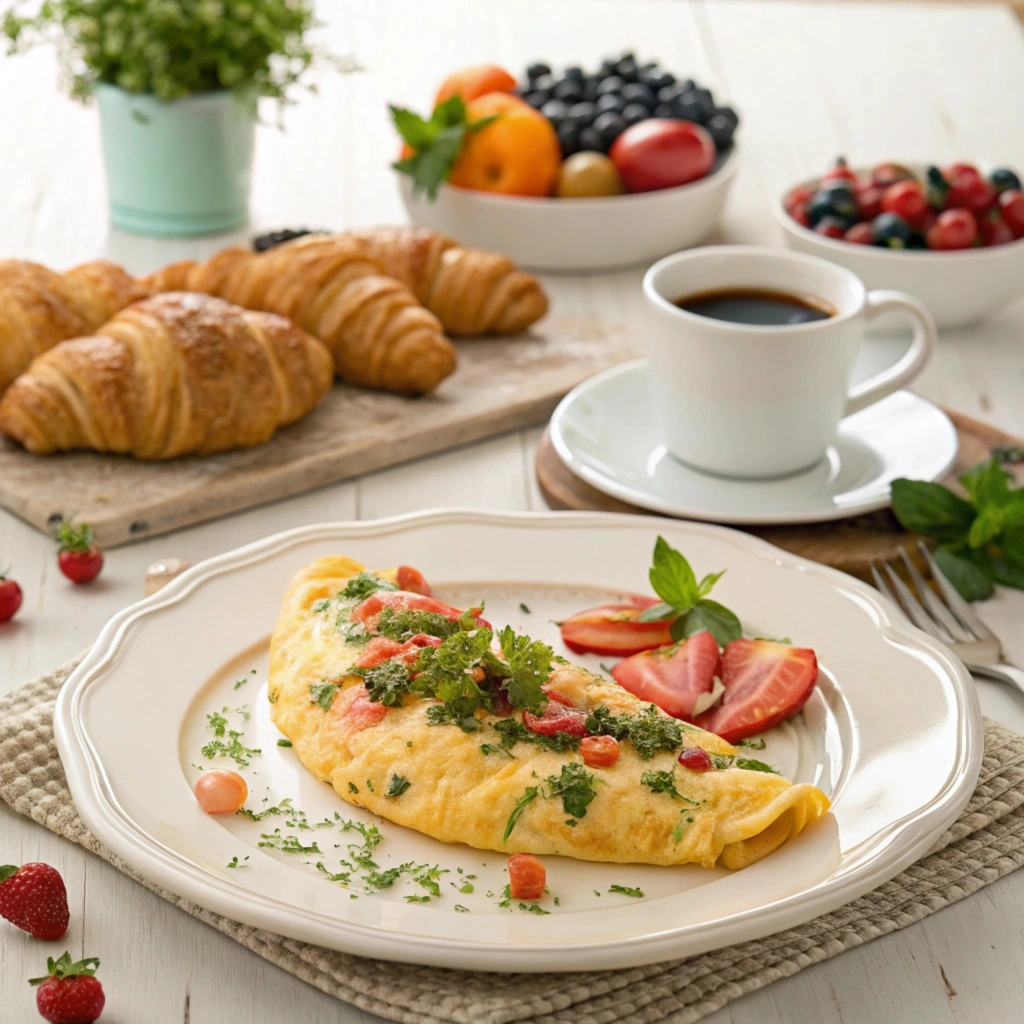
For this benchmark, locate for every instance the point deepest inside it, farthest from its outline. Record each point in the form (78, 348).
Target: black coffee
(756, 306)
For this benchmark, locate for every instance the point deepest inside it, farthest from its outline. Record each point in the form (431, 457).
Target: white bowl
(578, 234)
(958, 287)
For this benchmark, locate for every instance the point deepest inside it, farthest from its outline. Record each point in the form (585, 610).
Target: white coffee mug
(762, 401)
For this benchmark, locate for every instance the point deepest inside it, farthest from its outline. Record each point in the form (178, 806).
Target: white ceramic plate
(579, 234)
(606, 433)
(892, 734)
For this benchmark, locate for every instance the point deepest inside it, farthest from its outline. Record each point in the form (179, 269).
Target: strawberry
(33, 897)
(69, 993)
(78, 557)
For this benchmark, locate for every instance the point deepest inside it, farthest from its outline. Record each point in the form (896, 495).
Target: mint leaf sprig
(436, 143)
(684, 600)
(980, 538)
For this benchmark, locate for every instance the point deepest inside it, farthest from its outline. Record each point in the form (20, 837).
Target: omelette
(431, 718)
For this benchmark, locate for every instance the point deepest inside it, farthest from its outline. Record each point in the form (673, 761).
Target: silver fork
(948, 618)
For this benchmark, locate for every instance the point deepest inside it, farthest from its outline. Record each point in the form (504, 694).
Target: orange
(518, 154)
(469, 83)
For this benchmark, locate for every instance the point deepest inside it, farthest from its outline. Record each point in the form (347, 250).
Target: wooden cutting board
(501, 384)
(847, 544)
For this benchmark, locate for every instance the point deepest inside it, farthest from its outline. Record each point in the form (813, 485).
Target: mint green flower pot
(176, 169)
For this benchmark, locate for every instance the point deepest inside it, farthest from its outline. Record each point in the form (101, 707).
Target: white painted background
(876, 81)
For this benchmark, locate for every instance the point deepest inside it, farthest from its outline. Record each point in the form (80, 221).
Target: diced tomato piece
(615, 629)
(765, 683)
(672, 677)
(362, 713)
(599, 751)
(413, 580)
(526, 877)
(696, 759)
(382, 648)
(556, 718)
(558, 697)
(400, 601)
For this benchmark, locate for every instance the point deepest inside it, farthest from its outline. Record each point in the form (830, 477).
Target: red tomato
(862, 234)
(954, 229)
(1011, 206)
(765, 683)
(599, 751)
(799, 196)
(615, 629)
(368, 610)
(559, 697)
(831, 227)
(78, 557)
(839, 173)
(221, 791)
(907, 200)
(556, 718)
(994, 230)
(662, 153)
(869, 200)
(885, 175)
(526, 877)
(382, 648)
(968, 190)
(800, 215)
(363, 713)
(672, 677)
(696, 759)
(413, 580)
(10, 598)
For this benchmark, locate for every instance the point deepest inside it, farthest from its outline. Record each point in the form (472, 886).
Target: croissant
(471, 291)
(39, 307)
(378, 333)
(174, 375)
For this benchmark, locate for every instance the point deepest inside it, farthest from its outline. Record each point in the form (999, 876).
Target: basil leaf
(705, 585)
(1008, 453)
(721, 623)
(672, 578)
(931, 509)
(657, 612)
(527, 797)
(972, 582)
(987, 484)
(1007, 573)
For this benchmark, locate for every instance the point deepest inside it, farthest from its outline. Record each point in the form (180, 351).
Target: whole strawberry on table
(956, 207)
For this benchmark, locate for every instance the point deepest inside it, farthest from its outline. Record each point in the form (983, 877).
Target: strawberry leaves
(685, 600)
(65, 968)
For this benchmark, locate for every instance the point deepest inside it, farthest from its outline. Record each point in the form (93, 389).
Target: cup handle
(906, 369)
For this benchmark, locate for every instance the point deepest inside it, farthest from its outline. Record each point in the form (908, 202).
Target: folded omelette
(432, 736)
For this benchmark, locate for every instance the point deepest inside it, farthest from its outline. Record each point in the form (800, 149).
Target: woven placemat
(985, 843)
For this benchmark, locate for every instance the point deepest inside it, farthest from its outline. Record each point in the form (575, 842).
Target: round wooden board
(847, 544)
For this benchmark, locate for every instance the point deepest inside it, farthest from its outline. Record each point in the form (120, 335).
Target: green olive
(588, 174)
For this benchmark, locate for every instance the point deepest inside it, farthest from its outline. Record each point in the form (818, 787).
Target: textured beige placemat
(986, 843)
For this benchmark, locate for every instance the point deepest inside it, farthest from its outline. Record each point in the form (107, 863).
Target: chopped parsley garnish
(528, 797)
(323, 694)
(363, 584)
(665, 782)
(747, 763)
(236, 863)
(493, 748)
(523, 608)
(461, 909)
(625, 890)
(283, 808)
(217, 723)
(241, 682)
(649, 731)
(417, 899)
(386, 683)
(399, 784)
(451, 714)
(284, 743)
(529, 662)
(753, 744)
(465, 888)
(571, 822)
(401, 624)
(369, 786)
(353, 788)
(575, 786)
(286, 844)
(685, 821)
(228, 741)
(512, 731)
(321, 605)
(533, 908)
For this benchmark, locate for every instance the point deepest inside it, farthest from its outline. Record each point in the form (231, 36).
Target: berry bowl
(584, 234)
(959, 287)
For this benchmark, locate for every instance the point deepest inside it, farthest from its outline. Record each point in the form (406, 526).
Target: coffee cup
(756, 401)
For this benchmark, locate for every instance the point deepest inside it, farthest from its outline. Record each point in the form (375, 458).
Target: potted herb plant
(177, 83)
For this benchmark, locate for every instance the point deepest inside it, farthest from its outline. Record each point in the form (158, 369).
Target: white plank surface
(877, 81)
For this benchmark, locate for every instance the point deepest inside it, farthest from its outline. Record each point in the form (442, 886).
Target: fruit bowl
(959, 287)
(579, 234)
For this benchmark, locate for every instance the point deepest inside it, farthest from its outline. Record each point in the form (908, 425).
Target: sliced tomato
(363, 713)
(382, 648)
(367, 610)
(672, 677)
(599, 751)
(413, 580)
(765, 683)
(526, 877)
(615, 629)
(557, 717)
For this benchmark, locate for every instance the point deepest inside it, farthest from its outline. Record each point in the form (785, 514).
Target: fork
(948, 618)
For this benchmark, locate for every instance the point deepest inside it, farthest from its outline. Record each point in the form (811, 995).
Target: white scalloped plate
(893, 734)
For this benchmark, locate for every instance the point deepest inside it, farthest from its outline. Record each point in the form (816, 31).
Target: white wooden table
(877, 82)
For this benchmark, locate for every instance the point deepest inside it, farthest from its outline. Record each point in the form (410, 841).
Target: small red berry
(862, 233)
(869, 200)
(696, 759)
(10, 597)
(907, 200)
(831, 227)
(1011, 206)
(994, 230)
(78, 556)
(839, 173)
(69, 993)
(33, 897)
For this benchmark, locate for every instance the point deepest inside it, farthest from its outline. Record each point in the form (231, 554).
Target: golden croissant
(40, 307)
(177, 374)
(379, 335)
(471, 291)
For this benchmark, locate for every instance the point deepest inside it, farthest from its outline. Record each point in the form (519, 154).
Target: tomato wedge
(615, 629)
(556, 718)
(413, 580)
(382, 648)
(672, 677)
(765, 683)
(526, 877)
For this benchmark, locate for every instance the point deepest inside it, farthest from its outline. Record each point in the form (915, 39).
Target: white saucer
(605, 433)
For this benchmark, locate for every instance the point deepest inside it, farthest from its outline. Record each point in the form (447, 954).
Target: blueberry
(656, 79)
(569, 138)
(535, 71)
(687, 85)
(834, 201)
(636, 92)
(610, 101)
(728, 113)
(590, 139)
(692, 108)
(634, 112)
(891, 231)
(720, 128)
(569, 90)
(609, 127)
(537, 99)
(669, 93)
(608, 67)
(626, 69)
(590, 86)
(664, 110)
(545, 83)
(573, 74)
(555, 110)
(613, 83)
(705, 96)
(1003, 178)
(582, 114)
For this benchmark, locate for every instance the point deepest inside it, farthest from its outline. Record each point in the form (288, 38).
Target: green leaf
(931, 509)
(399, 784)
(7, 870)
(987, 484)
(529, 796)
(413, 129)
(657, 612)
(625, 890)
(672, 578)
(323, 694)
(530, 663)
(450, 112)
(575, 785)
(969, 578)
(721, 623)
(1007, 574)
(705, 585)
(1008, 453)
